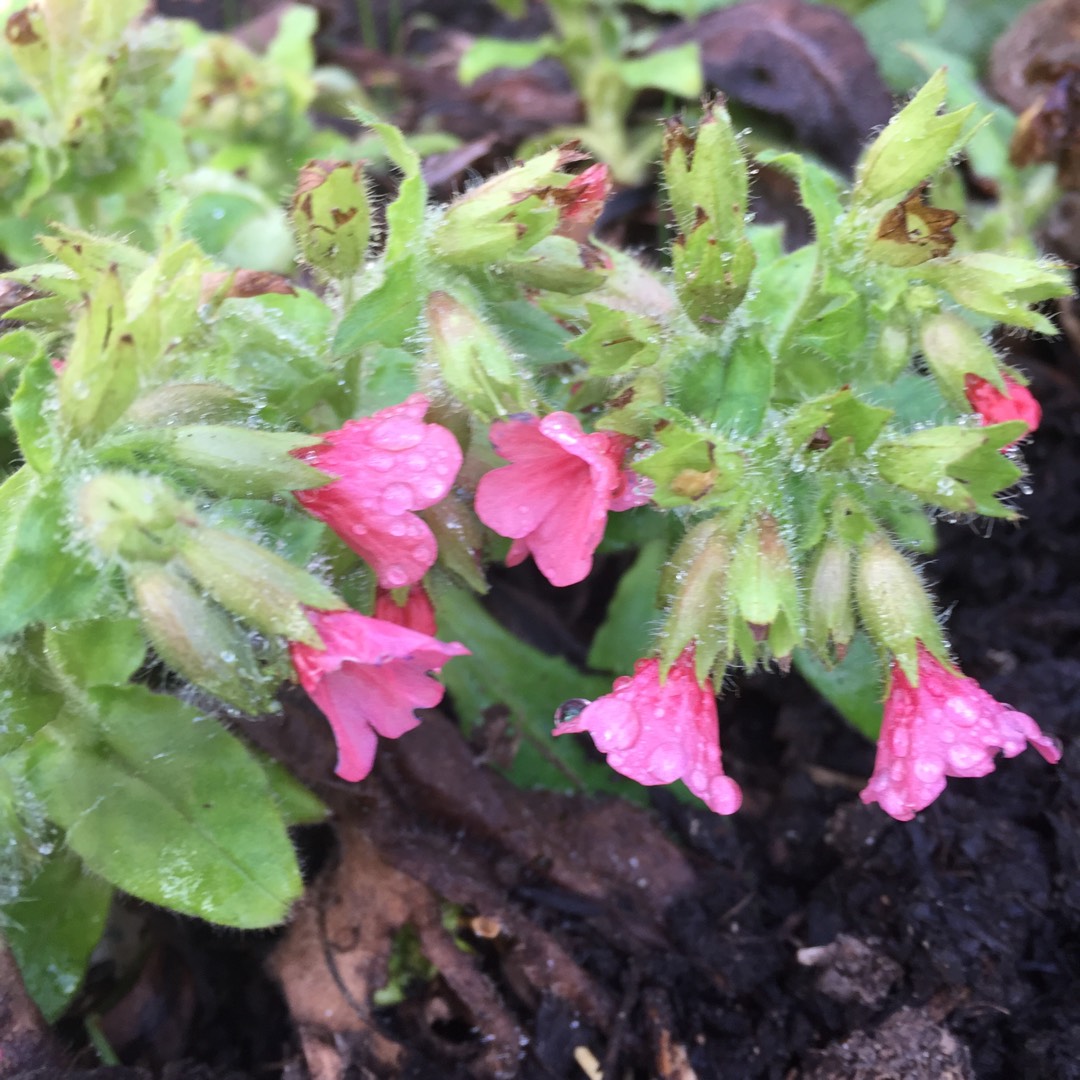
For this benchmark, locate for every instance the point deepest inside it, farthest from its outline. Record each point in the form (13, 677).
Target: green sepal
(953, 349)
(196, 638)
(957, 469)
(331, 215)
(388, 314)
(917, 142)
(32, 409)
(557, 264)
(1001, 286)
(698, 611)
(894, 605)
(692, 469)
(616, 339)
(235, 462)
(819, 190)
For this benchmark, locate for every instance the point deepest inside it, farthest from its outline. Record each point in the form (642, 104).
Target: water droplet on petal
(397, 498)
(397, 528)
(431, 489)
(381, 462)
(927, 770)
(666, 763)
(395, 577)
(963, 756)
(901, 741)
(398, 433)
(619, 726)
(961, 712)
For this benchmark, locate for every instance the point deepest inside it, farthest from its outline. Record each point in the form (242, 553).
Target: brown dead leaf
(801, 61)
(221, 284)
(913, 231)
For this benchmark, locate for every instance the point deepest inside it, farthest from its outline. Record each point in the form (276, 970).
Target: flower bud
(196, 638)
(234, 461)
(508, 213)
(894, 606)
(187, 403)
(132, 517)
(953, 349)
(559, 264)
(708, 185)
(764, 594)
(332, 216)
(251, 582)
(476, 365)
(830, 605)
(699, 588)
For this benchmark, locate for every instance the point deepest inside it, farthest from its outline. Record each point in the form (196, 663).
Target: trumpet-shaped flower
(947, 725)
(554, 497)
(995, 407)
(368, 680)
(416, 612)
(386, 466)
(656, 733)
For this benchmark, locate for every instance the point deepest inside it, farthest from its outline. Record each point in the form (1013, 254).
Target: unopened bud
(894, 606)
(764, 594)
(236, 462)
(476, 365)
(332, 216)
(253, 583)
(699, 585)
(831, 604)
(196, 638)
(559, 264)
(132, 517)
(509, 212)
(954, 349)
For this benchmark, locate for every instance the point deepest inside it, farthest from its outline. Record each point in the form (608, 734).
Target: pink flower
(656, 733)
(387, 466)
(368, 679)
(416, 613)
(583, 200)
(946, 726)
(553, 500)
(994, 407)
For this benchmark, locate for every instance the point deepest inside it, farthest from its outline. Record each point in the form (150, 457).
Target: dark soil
(807, 936)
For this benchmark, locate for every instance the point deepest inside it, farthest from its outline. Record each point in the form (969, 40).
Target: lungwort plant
(224, 482)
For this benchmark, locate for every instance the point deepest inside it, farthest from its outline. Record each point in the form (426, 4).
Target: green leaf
(98, 652)
(748, 379)
(405, 214)
(691, 468)
(296, 804)
(30, 414)
(629, 626)
(503, 670)
(819, 189)
(676, 71)
(386, 377)
(487, 54)
(852, 687)
(41, 578)
(388, 315)
(52, 929)
(167, 805)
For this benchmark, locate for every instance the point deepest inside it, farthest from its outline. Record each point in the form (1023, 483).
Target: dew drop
(397, 498)
(397, 528)
(964, 756)
(398, 433)
(666, 763)
(431, 489)
(927, 770)
(395, 577)
(961, 712)
(381, 462)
